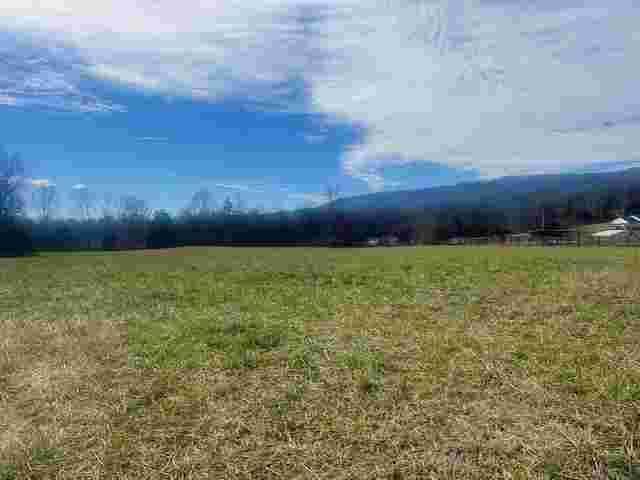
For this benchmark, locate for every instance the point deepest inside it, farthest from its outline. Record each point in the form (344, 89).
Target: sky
(273, 100)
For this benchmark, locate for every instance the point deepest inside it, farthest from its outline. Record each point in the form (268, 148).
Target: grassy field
(448, 362)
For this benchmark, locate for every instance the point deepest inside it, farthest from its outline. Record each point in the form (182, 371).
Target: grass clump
(624, 391)
(367, 362)
(520, 359)
(237, 358)
(46, 456)
(8, 472)
(305, 356)
(241, 338)
(552, 471)
(294, 394)
(247, 333)
(135, 407)
(621, 467)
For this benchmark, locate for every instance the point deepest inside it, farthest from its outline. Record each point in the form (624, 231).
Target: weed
(305, 356)
(280, 407)
(372, 381)
(8, 472)
(552, 471)
(362, 357)
(520, 359)
(616, 327)
(568, 376)
(46, 456)
(237, 358)
(624, 391)
(135, 407)
(239, 332)
(295, 392)
(621, 467)
(368, 362)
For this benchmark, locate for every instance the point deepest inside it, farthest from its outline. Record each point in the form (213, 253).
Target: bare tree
(133, 209)
(108, 205)
(332, 193)
(12, 183)
(201, 203)
(132, 229)
(45, 199)
(84, 201)
(240, 204)
(256, 211)
(227, 207)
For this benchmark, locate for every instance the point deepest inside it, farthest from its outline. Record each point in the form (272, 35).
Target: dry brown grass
(63, 383)
(519, 382)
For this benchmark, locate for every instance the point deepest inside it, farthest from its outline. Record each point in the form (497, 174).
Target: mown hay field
(219, 363)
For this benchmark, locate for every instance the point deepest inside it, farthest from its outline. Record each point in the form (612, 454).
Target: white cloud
(503, 87)
(7, 100)
(41, 183)
(483, 84)
(204, 50)
(79, 186)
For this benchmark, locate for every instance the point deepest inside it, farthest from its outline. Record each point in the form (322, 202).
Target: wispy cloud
(313, 199)
(39, 71)
(79, 186)
(203, 50)
(238, 187)
(315, 138)
(153, 139)
(41, 183)
(610, 166)
(271, 190)
(501, 87)
(8, 101)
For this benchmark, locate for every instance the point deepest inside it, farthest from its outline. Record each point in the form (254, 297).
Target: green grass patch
(367, 363)
(8, 472)
(621, 467)
(46, 456)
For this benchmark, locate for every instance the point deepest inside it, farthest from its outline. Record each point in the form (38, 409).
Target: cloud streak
(315, 138)
(498, 87)
(152, 139)
(308, 199)
(237, 187)
(41, 183)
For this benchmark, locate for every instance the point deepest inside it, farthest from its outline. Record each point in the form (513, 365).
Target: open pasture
(220, 363)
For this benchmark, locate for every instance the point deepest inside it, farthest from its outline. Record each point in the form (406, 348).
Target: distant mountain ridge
(502, 193)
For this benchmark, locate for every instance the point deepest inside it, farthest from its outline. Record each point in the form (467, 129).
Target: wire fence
(574, 238)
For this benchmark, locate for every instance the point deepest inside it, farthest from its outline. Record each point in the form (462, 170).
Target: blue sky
(273, 99)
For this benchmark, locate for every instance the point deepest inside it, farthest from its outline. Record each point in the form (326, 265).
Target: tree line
(130, 223)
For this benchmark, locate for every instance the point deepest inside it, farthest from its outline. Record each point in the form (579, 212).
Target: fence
(556, 237)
